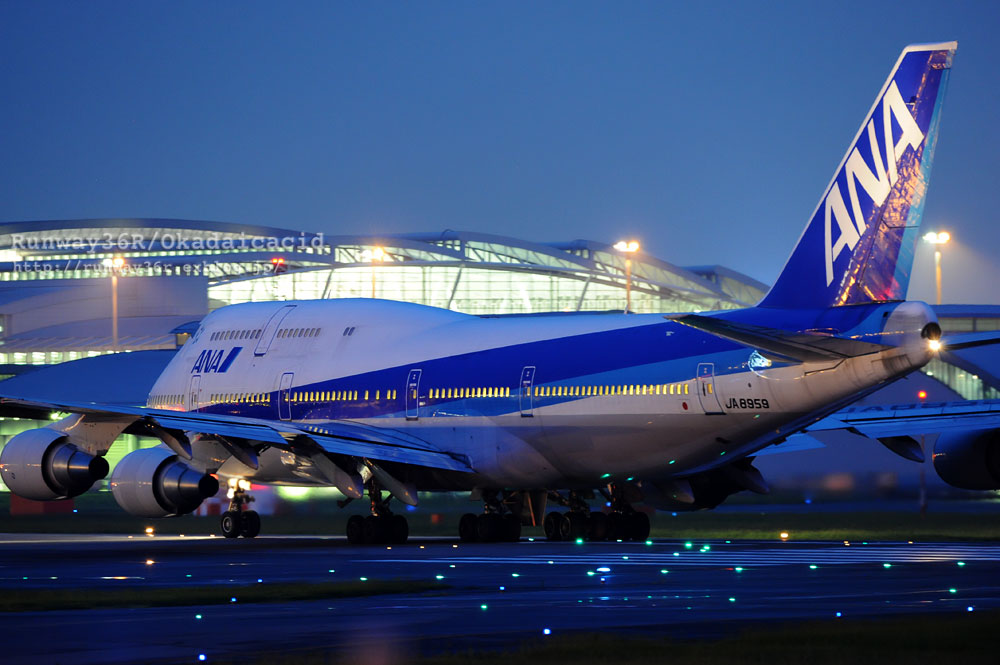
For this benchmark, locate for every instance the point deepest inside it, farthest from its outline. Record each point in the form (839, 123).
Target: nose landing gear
(236, 521)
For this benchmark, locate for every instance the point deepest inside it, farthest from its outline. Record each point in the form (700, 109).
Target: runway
(499, 593)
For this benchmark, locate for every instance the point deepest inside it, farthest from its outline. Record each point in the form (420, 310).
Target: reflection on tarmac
(500, 593)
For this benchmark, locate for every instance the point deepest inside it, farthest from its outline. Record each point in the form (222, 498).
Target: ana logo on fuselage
(852, 225)
(215, 361)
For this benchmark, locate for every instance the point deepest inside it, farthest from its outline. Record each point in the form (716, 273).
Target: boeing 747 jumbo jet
(391, 399)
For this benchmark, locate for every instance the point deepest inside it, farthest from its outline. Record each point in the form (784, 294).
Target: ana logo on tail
(877, 184)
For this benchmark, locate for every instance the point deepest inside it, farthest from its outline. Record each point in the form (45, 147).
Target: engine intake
(969, 460)
(153, 482)
(39, 464)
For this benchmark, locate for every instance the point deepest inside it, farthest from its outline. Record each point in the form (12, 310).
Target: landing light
(934, 344)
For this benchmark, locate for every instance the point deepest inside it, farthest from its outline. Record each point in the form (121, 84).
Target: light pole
(628, 248)
(378, 254)
(114, 265)
(937, 239)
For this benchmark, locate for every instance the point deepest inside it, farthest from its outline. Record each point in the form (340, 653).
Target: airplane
(390, 399)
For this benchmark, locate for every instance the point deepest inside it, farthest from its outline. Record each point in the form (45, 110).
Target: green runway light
(664, 571)
(579, 541)
(483, 606)
(590, 573)
(739, 569)
(649, 542)
(439, 577)
(515, 574)
(961, 563)
(813, 566)
(607, 475)
(331, 570)
(887, 565)
(952, 590)
(673, 461)
(197, 616)
(732, 600)
(688, 545)
(364, 579)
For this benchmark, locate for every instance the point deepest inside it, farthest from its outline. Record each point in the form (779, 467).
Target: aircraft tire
(551, 526)
(638, 526)
(616, 527)
(375, 531)
(399, 528)
(489, 527)
(250, 524)
(511, 528)
(356, 530)
(577, 525)
(231, 524)
(468, 530)
(597, 526)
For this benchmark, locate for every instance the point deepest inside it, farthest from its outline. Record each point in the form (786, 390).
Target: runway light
(887, 565)
(688, 545)
(969, 608)
(364, 579)
(952, 590)
(233, 599)
(483, 606)
(201, 656)
(331, 570)
(197, 616)
(813, 566)
(739, 569)
(783, 535)
(649, 542)
(546, 632)
(149, 531)
(961, 563)
(732, 600)
(579, 541)
(515, 574)
(149, 562)
(260, 580)
(604, 569)
(838, 615)
(664, 571)
(503, 588)
(590, 573)
(439, 577)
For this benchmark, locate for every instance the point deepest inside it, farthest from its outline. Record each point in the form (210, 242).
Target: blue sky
(705, 130)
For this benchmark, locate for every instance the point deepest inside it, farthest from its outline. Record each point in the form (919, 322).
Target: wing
(337, 437)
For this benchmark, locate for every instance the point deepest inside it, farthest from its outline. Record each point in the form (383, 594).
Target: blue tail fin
(858, 246)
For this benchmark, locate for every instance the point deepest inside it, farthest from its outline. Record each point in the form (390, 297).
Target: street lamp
(114, 265)
(937, 239)
(378, 254)
(628, 248)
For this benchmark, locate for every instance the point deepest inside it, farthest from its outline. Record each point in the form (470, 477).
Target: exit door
(194, 394)
(284, 396)
(707, 395)
(524, 395)
(413, 394)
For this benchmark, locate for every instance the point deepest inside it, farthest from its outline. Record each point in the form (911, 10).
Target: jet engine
(41, 464)
(153, 482)
(970, 460)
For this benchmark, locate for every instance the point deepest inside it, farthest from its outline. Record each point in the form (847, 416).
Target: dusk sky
(707, 131)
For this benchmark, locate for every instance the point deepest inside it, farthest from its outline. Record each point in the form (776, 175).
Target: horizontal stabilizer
(786, 345)
(969, 340)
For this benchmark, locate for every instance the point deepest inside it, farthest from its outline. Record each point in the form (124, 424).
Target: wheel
(511, 528)
(399, 528)
(375, 531)
(489, 527)
(616, 527)
(231, 524)
(551, 526)
(356, 530)
(577, 525)
(638, 526)
(468, 531)
(250, 524)
(597, 526)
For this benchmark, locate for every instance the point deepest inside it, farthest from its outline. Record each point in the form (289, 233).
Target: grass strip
(953, 639)
(34, 600)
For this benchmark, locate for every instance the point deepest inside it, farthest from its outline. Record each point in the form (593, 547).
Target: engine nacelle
(40, 464)
(153, 482)
(970, 460)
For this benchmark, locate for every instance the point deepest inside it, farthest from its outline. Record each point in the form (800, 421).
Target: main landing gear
(623, 522)
(236, 521)
(382, 526)
(500, 522)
